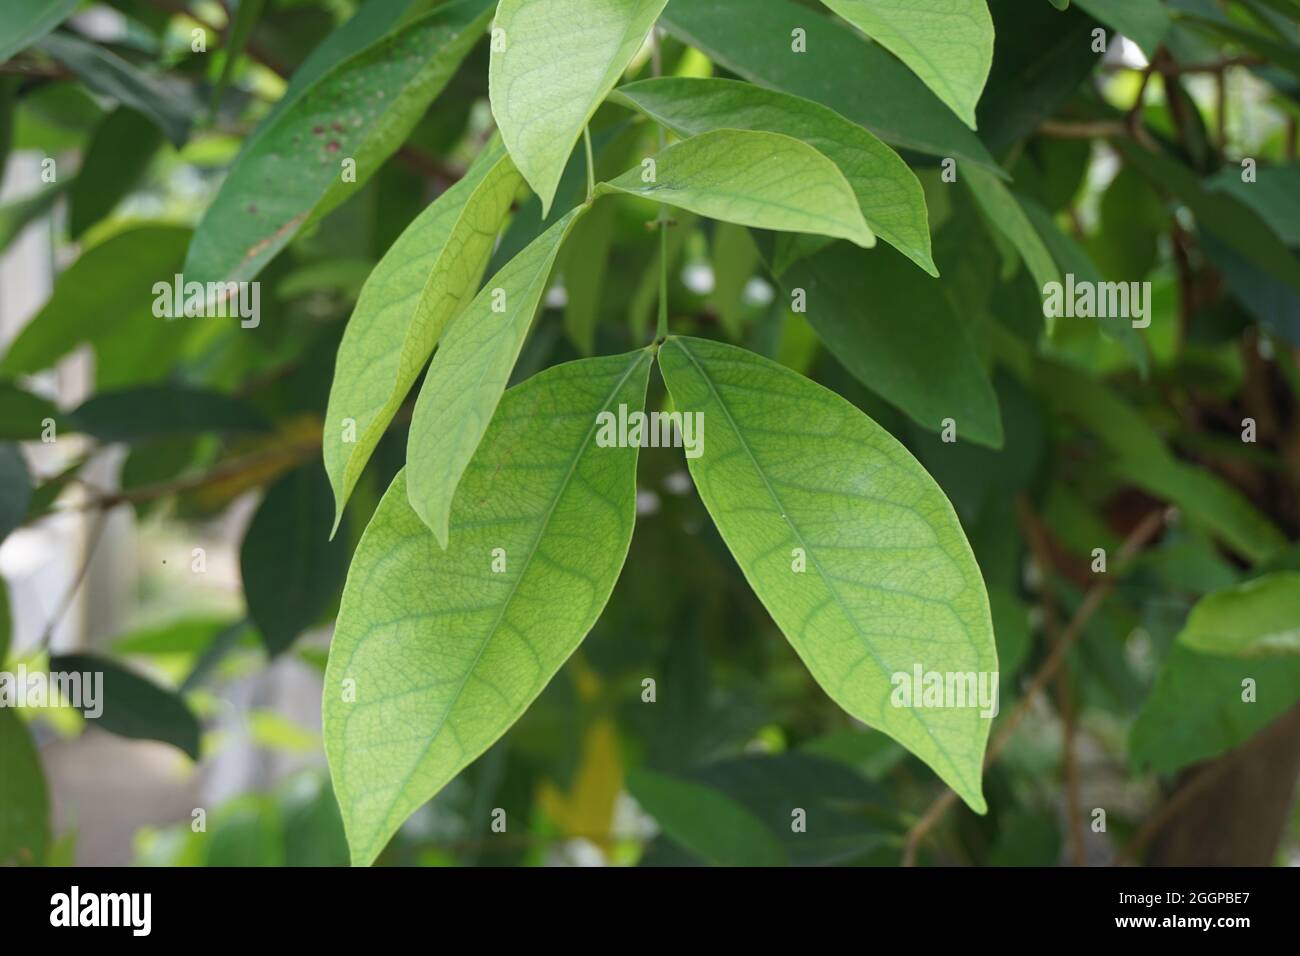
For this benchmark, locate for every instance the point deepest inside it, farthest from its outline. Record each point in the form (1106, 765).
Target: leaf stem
(591, 167)
(661, 327)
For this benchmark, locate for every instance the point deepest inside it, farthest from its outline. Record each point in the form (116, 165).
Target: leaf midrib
(514, 588)
(827, 579)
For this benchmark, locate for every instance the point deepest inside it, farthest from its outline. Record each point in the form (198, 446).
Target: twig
(61, 611)
(1135, 542)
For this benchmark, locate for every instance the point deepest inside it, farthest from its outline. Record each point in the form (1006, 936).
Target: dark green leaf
(134, 706)
(292, 573)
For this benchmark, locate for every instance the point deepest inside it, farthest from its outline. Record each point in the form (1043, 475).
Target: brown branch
(1137, 539)
(1039, 544)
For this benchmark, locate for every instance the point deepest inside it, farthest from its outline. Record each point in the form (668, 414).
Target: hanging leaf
(947, 43)
(553, 61)
(825, 61)
(436, 652)
(411, 297)
(359, 111)
(854, 301)
(291, 574)
(765, 180)
(887, 191)
(108, 74)
(469, 373)
(120, 151)
(849, 544)
(133, 706)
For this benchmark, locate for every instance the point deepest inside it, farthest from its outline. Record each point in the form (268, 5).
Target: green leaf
(362, 109)
(553, 62)
(134, 706)
(246, 16)
(705, 821)
(1258, 618)
(108, 74)
(1237, 224)
(1142, 458)
(417, 289)
(888, 192)
(291, 573)
(24, 800)
(583, 264)
(734, 257)
(112, 278)
(443, 654)
(1197, 708)
(889, 582)
(1274, 196)
(858, 80)
(764, 180)
(15, 488)
(22, 413)
(119, 153)
(1071, 258)
(159, 411)
(1145, 22)
(856, 300)
(947, 43)
(21, 25)
(1002, 208)
(469, 373)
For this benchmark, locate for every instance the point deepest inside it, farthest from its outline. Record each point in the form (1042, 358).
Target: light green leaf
(881, 319)
(417, 289)
(1145, 22)
(765, 180)
(705, 821)
(888, 192)
(106, 73)
(362, 109)
(947, 43)
(839, 69)
(443, 654)
(553, 61)
(23, 23)
(469, 373)
(1199, 708)
(1257, 618)
(793, 475)
(24, 800)
(1003, 210)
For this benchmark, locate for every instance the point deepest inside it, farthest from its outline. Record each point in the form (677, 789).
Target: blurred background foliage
(175, 529)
